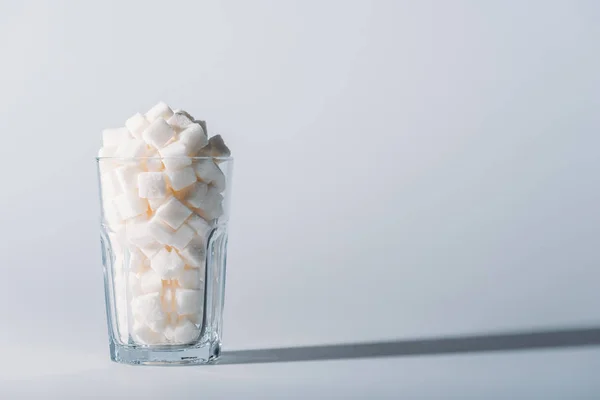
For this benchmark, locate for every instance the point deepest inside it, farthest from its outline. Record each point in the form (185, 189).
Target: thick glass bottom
(199, 354)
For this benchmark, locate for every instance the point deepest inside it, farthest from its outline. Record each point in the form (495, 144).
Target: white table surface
(555, 374)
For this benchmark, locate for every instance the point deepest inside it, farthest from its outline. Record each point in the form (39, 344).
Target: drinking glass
(164, 257)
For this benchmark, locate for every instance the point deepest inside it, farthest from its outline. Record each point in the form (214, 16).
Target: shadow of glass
(418, 347)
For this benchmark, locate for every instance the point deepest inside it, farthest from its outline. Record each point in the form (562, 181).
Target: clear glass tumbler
(164, 243)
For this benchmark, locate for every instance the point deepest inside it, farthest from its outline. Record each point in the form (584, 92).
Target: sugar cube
(181, 178)
(211, 206)
(182, 237)
(150, 282)
(159, 110)
(173, 213)
(132, 148)
(210, 173)
(193, 138)
(194, 253)
(215, 148)
(127, 175)
(158, 133)
(147, 309)
(138, 262)
(175, 156)
(143, 334)
(152, 185)
(160, 231)
(138, 233)
(189, 301)
(111, 187)
(136, 125)
(197, 195)
(179, 121)
(190, 279)
(155, 203)
(184, 332)
(201, 227)
(167, 263)
(150, 251)
(130, 205)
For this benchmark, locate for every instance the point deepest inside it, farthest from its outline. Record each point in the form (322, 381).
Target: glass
(164, 251)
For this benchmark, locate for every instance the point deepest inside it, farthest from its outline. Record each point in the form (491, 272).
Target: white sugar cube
(158, 133)
(173, 213)
(150, 251)
(197, 195)
(138, 234)
(106, 165)
(130, 205)
(159, 110)
(111, 187)
(147, 309)
(211, 213)
(111, 215)
(108, 151)
(202, 124)
(114, 137)
(182, 237)
(139, 219)
(218, 147)
(175, 156)
(184, 332)
(142, 334)
(150, 282)
(190, 279)
(166, 235)
(194, 253)
(153, 163)
(152, 185)
(127, 175)
(181, 178)
(135, 286)
(201, 227)
(169, 332)
(179, 121)
(155, 203)
(160, 231)
(184, 113)
(132, 148)
(136, 125)
(193, 138)
(167, 263)
(138, 262)
(189, 301)
(210, 173)
(211, 206)
(215, 148)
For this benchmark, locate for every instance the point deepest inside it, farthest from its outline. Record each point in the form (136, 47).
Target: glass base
(207, 353)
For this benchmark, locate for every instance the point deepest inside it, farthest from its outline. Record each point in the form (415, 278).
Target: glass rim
(220, 158)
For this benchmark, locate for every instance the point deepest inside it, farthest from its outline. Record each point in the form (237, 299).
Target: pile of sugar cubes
(159, 207)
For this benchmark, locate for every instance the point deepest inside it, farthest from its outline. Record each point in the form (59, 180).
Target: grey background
(404, 169)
